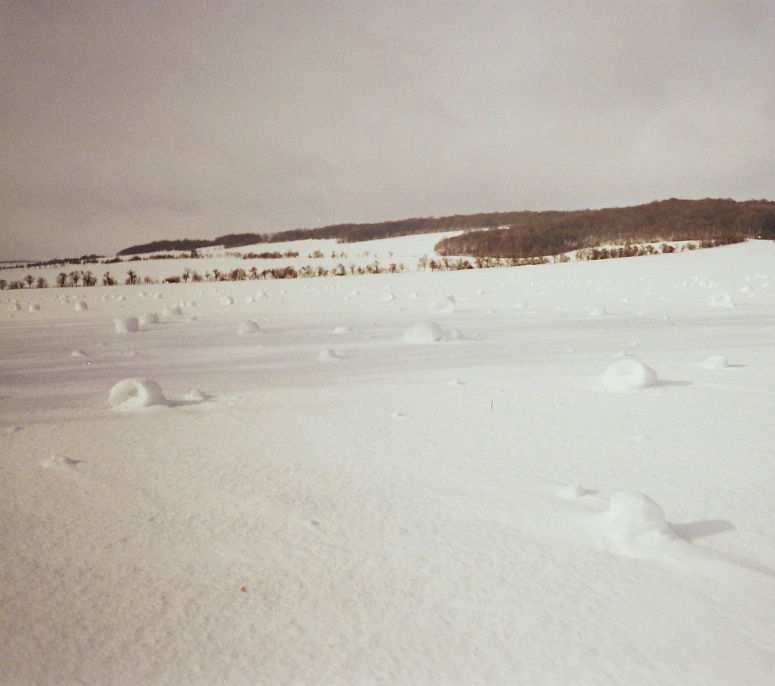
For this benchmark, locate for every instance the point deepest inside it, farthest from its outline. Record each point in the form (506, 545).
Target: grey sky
(123, 122)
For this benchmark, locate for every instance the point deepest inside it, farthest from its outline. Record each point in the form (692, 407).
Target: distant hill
(534, 233)
(344, 233)
(156, 246)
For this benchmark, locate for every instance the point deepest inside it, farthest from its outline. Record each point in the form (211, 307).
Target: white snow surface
(480, 511)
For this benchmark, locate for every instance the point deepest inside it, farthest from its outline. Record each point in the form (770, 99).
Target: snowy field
(562, 474)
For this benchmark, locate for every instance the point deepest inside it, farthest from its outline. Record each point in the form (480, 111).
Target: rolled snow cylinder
(635, 519)
(247, 327)
(629, 374)
(149, 318)
(715, 362)
(133, 393)
(126, 324)
(442, 305)
(426, 331)
(81, 305)
(327, 354)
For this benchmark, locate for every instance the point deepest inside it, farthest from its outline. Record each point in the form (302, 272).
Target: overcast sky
(124, 122)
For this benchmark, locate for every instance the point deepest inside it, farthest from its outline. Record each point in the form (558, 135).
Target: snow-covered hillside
(559, 474)
(403, 250)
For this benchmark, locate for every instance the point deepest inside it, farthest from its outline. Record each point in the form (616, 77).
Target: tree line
(532, 233)
(710, 221)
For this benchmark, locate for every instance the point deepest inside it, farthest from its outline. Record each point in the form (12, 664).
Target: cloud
(125, 122)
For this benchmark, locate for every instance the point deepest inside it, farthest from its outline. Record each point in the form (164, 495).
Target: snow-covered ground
(562, 474)
(405, 250)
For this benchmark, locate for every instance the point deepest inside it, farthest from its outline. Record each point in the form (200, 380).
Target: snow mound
(227, 300)
(247, 327)
(629, 374)
(14, 307)
(444, 304)
(196, 395)
(150, 318)
(715, 362)
(327, 354)
(387, 297)
(126, 324)
(722, 299)
(57, 461)
(34, 307)
(634, 520)
(339, 330)
(172, 311)
(423, 332)
(81, 305)
(78, 353)
(133, 393)
(570, 492)
(597, 311)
